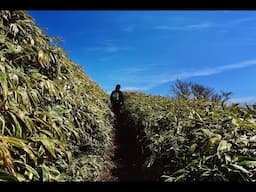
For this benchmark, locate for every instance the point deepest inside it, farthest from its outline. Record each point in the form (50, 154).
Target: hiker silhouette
(117, 100)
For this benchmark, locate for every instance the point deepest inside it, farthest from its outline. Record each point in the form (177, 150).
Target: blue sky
(148, 50)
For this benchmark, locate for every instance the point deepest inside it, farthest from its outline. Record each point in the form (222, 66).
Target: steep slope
(192, 140)
(55, 122)
(56, 125)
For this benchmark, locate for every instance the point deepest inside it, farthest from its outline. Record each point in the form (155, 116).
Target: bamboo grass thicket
(193, 139)
(56, 124)
(49, 108)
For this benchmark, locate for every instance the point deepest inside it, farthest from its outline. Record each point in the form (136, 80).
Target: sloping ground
(123, 162)
(56, 125)
(55, 122)
(192, 140)
(127, 154)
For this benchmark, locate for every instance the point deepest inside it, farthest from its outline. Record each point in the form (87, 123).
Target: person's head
(118, 87)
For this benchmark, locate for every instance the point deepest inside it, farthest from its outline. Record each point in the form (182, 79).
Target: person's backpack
(116, 97)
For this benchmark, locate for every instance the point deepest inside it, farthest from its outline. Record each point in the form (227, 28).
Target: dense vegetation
(56, 125)
(55, 122)
(193, 139)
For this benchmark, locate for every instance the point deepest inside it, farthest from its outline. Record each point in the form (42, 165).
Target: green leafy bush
(193, 140)
(55, 123)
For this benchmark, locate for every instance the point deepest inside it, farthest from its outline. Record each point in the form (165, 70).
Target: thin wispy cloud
(139, 69)
(192, 27)
(141, 88)
(205, 25)
(118, 47)
(150, 81)
(242, 20)
(207, 71)
(109, 47)
(129, 28)
(132, 71)
(106, 59)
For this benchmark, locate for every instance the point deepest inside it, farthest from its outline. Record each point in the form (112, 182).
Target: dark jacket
(121, 98)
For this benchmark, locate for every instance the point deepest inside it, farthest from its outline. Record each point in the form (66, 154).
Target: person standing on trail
(117, 100)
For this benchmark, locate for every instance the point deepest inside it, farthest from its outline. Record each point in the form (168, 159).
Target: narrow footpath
(126, 163)
(127, 155)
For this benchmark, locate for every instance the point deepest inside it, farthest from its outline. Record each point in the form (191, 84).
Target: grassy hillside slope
(55, 123)
(193, 140)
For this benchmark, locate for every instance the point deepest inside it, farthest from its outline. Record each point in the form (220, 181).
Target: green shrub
(193, 140)
(49, 109)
